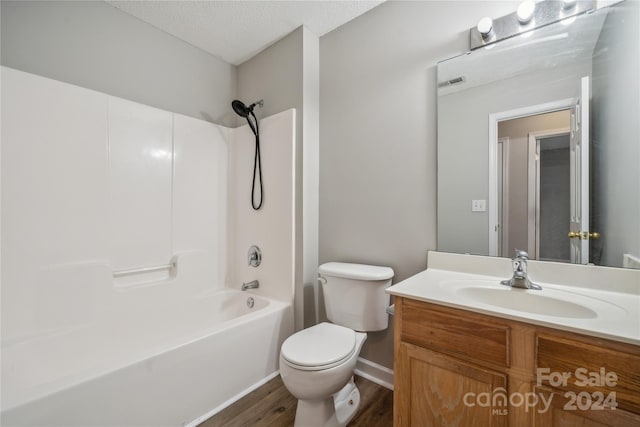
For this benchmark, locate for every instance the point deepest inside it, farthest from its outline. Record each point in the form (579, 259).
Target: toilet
(317, 363)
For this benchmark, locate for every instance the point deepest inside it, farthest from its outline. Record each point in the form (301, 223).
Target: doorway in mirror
(533, 194)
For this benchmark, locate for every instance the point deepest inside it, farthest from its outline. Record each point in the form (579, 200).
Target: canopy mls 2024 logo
(588, 399)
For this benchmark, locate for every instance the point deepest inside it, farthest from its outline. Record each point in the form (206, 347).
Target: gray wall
(94, 45)
(616, 137)
(517, 194)
(285, 75)
(378, 135)
(275, 75)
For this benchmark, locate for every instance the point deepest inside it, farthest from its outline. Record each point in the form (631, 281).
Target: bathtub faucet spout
(251, 285)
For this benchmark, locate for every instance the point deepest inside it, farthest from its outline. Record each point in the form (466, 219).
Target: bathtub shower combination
(177, 369)
(123, 259)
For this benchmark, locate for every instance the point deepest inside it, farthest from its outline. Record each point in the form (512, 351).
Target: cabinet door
(564, 411)
(562, 354)
(432, 389)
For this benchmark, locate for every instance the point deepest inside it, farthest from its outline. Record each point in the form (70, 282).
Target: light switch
(478, 206)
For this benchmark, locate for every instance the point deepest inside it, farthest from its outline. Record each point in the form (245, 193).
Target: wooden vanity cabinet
(459, 368)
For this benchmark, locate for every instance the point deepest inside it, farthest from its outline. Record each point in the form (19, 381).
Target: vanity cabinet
(459, 368)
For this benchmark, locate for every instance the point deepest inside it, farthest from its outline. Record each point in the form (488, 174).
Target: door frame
(503, 226)
(494, 119)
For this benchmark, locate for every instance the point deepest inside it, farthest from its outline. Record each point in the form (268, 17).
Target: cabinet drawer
(564, 355)
(456, 333)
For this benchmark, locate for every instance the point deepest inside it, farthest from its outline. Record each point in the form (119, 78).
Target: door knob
(584, 235)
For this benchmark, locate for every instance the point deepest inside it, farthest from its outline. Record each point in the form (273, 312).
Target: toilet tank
(354, 295)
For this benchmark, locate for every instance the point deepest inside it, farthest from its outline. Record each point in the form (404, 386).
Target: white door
(579, 170)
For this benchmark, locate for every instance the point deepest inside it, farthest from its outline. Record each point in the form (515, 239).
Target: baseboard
(234, 399)
(378, 374)
(365, 368)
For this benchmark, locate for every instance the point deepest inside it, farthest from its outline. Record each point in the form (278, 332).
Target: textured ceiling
(237, 30)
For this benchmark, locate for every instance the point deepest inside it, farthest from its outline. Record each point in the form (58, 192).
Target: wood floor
(272, 405)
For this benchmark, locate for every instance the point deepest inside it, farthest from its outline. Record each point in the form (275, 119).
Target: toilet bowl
(317, 363)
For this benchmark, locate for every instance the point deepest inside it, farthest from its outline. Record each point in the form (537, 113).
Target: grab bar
(122, 273)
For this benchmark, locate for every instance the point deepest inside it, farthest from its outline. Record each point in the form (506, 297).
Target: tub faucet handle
(254, 256)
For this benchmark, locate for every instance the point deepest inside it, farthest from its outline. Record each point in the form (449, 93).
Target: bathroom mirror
(539, 143)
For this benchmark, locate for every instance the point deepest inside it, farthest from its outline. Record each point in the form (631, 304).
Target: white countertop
(611, 313)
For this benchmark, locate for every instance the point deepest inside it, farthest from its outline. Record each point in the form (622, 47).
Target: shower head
(247, 112)
(242, 110)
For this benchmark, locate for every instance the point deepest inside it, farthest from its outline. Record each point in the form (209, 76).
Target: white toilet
(317, 363)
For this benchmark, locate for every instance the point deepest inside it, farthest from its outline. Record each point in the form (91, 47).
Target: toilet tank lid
(355, 271)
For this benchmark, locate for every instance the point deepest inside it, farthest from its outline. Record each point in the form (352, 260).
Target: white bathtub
(168, 367)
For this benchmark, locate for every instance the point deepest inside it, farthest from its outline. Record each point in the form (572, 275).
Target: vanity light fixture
(568, 21)
(566, 13)
(525, 11)
(530, 15)
(527, 34)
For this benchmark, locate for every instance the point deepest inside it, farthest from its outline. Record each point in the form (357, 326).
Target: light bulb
(525, 11)
(485, 27)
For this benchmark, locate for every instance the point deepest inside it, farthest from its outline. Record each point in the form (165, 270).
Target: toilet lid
(319, 345)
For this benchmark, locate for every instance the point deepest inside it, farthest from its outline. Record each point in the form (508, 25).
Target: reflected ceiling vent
(454, 81)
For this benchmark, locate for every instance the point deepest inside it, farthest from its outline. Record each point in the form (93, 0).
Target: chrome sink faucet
(250, 285)
(520, 278)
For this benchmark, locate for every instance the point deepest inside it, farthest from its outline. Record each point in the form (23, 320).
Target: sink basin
(527, 301)
(589, 300)
(545, 302)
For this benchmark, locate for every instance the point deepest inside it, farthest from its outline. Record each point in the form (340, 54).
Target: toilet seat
(319, 347)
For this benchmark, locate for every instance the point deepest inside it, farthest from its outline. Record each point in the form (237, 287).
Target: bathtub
(172, 366)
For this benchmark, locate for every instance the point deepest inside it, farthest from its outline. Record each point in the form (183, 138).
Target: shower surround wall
(94, 186)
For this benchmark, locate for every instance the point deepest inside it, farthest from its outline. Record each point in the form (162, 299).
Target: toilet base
(335, 411)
